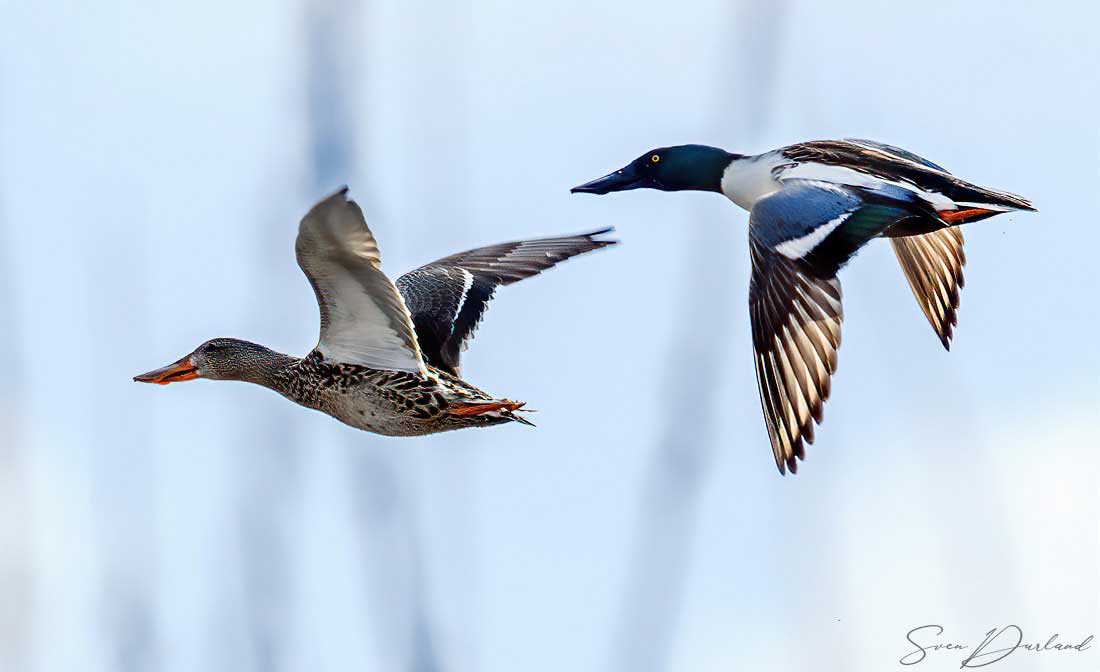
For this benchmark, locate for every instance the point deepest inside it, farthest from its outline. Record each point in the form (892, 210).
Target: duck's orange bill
(173, 373)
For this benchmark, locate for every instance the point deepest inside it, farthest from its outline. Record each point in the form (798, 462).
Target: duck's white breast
(751, 178)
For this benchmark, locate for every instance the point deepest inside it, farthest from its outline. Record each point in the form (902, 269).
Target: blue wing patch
(798, 210)
(824, 225)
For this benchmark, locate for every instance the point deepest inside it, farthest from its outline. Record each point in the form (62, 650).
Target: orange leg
(964, 215)
(478, 409)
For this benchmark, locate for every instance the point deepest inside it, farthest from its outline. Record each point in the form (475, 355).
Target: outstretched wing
(448, 297)
(363, 318)
(932, 262)
(933, 265)
(796, 315)
(799, 238)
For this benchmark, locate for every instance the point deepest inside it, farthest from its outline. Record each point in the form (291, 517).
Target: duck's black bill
(620, 180)
(173, 373)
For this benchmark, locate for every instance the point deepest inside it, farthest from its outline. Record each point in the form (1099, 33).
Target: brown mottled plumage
(388, 356)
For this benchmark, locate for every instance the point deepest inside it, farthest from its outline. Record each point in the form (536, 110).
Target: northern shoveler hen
(812, 207)
(388, 357)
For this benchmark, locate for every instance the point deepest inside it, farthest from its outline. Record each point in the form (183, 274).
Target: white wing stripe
(797, 248)
(467, 283)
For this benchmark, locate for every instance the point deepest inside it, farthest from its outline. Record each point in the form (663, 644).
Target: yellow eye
(655, 158)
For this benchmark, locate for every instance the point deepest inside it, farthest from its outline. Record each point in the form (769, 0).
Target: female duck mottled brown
(388, 357)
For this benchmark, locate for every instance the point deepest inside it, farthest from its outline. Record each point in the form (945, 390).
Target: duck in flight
(812, 206)
(388, 356)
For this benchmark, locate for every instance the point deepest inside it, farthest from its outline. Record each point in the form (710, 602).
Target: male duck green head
(680, 168)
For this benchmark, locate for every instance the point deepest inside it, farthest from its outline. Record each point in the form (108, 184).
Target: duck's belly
(371, 411)
(381, 412)
(391, 403)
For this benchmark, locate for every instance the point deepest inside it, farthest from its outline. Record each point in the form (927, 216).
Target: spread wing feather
(448, 297)
(363, 318)
(933, 265)
(796, 316)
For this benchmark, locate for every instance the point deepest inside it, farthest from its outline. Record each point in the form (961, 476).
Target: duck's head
(680, 168)
(216, 359)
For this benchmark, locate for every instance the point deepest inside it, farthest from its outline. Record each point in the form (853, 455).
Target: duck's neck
(693, 168)
(267, 368)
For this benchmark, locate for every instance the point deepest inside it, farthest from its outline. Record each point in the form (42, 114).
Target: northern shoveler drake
(812, 206)
(388, 356)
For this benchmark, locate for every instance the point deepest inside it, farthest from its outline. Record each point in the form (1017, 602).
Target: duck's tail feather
(519, 418)
(990, 200)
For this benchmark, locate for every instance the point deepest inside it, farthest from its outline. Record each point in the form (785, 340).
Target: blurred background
(157, 156)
